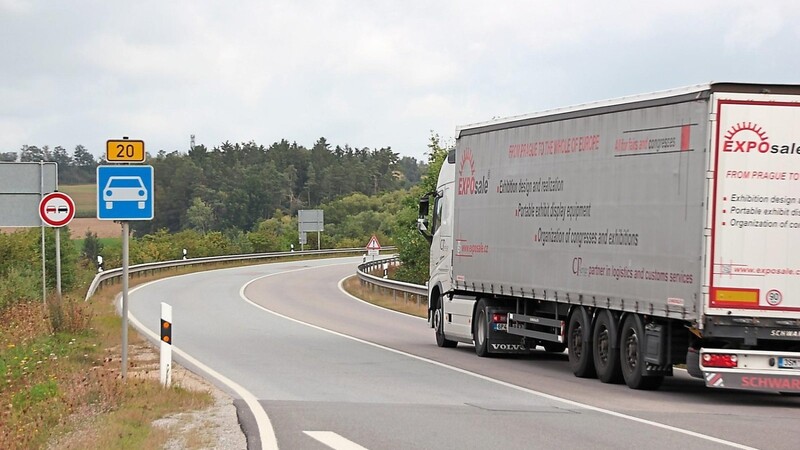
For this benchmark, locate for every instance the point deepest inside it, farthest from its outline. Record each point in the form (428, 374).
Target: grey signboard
(606, 206)
(22, 186)
(310, 220)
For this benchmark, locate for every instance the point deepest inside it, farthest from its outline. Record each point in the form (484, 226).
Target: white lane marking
(334, 440)
(265, 431)
(492, 380)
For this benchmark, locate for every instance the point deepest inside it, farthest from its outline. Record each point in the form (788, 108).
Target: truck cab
(440, 233)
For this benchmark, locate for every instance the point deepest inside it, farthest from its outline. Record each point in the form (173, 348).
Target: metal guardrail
(112, 274)
(416, 290)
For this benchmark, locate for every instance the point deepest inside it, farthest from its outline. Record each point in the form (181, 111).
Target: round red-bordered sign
(56, 209)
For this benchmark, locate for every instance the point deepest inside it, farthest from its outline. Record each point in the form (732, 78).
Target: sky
(370, 74)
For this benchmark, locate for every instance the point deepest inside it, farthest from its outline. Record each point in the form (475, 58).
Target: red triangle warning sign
(373, 243)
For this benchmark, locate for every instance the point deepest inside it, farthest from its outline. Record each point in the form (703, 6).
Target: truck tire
(438, 326)
(605, 338)
(481, 331)
(631, 355)
(578, 341)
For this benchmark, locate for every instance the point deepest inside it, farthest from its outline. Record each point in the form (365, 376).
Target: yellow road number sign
(124, 151)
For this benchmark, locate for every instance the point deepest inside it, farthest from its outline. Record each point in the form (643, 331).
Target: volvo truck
(637, 234)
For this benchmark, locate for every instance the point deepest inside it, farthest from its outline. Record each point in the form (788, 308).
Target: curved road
(312, 367)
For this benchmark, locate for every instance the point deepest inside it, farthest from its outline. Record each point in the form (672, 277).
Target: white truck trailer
(637, 233)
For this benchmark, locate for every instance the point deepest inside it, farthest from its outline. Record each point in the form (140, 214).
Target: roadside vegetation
(385, 298)
(60, 359)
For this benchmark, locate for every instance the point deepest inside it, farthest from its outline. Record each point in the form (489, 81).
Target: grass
(68, 383)
(108, 243)
(386, 298)
(85, 198)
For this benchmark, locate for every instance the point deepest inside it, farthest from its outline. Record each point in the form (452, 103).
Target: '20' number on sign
(125, 151)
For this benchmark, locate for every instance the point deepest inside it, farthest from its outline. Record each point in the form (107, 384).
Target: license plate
(789, 363)
(500, 326)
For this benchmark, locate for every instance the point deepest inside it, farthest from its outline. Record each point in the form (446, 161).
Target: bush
(21, 264)
(67, 314)
(19, 285)
(92, 247)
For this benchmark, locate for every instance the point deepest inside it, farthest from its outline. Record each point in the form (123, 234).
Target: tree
(92, 247)
(8, 156)
(61, 157)
(82, 158)
(31, 153)
(413, 249)
(200, 216)
(410, 168)
(275, 234)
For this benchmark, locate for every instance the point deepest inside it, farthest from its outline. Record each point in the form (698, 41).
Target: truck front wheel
(631, 355)
(579, 331)
(438, 326)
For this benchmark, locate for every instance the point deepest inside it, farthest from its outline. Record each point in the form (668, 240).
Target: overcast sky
(364, 73)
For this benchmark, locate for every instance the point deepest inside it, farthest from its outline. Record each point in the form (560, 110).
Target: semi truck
(638, 234)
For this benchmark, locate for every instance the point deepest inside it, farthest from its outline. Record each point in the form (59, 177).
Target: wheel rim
(632, 350)
(602, 346)
(437, 320)
(576, 341)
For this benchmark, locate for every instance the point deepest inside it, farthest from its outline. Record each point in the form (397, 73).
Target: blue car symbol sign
(124, 189)
(125, 192)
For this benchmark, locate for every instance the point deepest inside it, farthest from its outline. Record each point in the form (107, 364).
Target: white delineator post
(166, 344)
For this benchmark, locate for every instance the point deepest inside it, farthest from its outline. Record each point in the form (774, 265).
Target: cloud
(363, 73)
(752, 29)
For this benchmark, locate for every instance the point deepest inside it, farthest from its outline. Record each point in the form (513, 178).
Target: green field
(108, 243)
(85, 197)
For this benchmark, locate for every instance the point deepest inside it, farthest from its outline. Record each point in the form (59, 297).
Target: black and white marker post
(166, 344)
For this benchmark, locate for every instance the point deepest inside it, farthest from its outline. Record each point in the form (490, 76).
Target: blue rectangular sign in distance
(125, 192)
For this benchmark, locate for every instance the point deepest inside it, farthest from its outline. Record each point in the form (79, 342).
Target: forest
(234, 186)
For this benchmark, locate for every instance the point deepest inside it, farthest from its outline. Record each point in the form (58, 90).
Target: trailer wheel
(580, 347)
(481, 331)
(438, 326)
(605, 337)
(631, 355)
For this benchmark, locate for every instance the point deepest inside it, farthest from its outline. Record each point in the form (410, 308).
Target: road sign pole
(58, 263)
(125, 233)
(44, 275)
(56, 210)
(125, 193)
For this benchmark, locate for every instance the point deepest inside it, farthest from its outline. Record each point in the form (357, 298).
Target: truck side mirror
(424, 206)
(422, 220)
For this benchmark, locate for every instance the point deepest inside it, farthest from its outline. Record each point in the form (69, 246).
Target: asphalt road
(313, 368)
